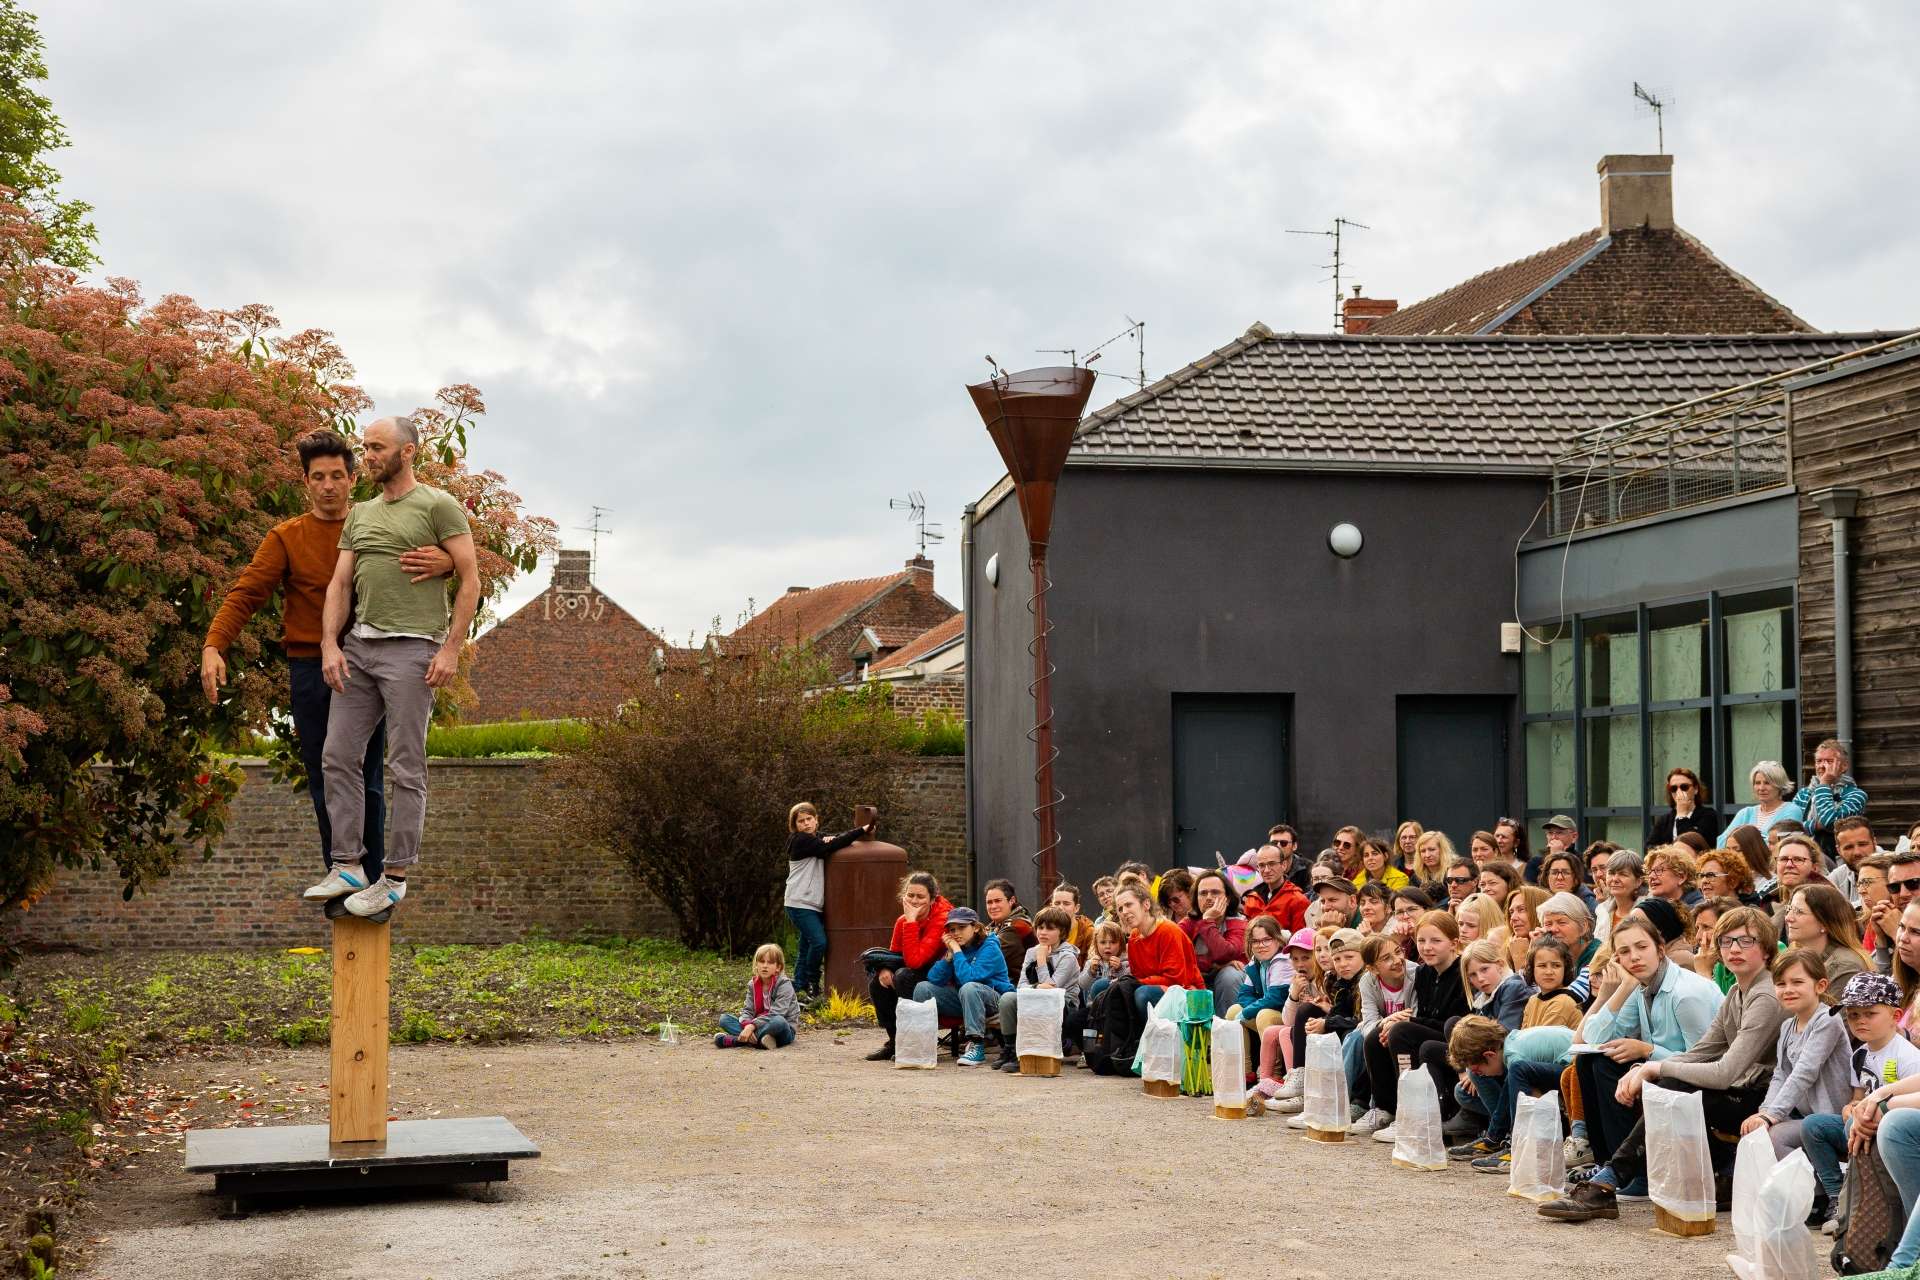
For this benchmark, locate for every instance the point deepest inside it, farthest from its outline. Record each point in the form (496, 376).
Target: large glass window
(1614, 702)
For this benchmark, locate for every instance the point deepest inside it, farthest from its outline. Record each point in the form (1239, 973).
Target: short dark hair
(1004, 886)
(1072, 889)
(323, 444)
(1852, 823)
(1417, 897)
(1055, 917)
(1378, 889)
(1279, 827)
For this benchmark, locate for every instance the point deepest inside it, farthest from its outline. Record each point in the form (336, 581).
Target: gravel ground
(684, 1161)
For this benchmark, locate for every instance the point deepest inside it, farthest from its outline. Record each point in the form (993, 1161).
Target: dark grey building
(1220, 667)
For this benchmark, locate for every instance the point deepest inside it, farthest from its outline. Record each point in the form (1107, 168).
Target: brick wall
(497, 866)
(1653, 282)
(912, 605)
(945, 692)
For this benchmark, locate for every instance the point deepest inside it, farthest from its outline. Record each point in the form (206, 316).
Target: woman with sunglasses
(1687, 811)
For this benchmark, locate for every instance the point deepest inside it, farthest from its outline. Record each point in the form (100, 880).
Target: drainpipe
(967, 603)
(1838, 506)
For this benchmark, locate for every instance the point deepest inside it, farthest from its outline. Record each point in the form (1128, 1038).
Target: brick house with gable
(1637, 272)
(879, 615)
(568, 652)
(929, 672)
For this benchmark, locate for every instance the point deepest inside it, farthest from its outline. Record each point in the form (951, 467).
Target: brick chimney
(922, 570)
(1636, 192)
(1357, 314)
(573, 571)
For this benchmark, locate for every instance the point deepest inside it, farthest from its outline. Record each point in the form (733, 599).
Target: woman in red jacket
(917, 936)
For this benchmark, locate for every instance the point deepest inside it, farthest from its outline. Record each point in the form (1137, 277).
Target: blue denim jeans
(1354, 1057)
(970, 1004)
(311, 698)
(769, 1026)
(1144, 998)
(1530, 1078)
(1824, 1139)
(1490, 1097)
(1899, 1144)
(812, 928)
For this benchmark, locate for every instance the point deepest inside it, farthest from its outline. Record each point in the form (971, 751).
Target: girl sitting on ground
(1107, 965)
(1549, 970)
(1051, 964)
(1344, 956)
(916, 939)
(1813, 1061)
(771, 1013)
(1419, 1031)
(1384, 991)
(1262, 998)
(967, 981)
(1308, 991)
(1493, 989)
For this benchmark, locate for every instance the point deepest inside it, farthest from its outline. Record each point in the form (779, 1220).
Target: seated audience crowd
(1769, 962)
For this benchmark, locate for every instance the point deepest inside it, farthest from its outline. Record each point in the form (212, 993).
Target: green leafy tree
(690, 782)
(145, 450)
(28, 131)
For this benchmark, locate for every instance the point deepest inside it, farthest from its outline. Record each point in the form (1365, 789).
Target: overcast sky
(724, 268)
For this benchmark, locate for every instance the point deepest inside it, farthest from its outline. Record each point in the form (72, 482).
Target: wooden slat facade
(1863, 431)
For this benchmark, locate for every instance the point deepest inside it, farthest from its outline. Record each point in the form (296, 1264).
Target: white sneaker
(1831, 1227)
(1294, 1086)
(1372, 1122)
(1297, 1121)
(377, 897)
(339, 882)
(1385, 1133)
(1577, 1151)
(1287, 1106)
(1276, 1105)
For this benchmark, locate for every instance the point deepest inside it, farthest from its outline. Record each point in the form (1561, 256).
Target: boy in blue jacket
(967, 982)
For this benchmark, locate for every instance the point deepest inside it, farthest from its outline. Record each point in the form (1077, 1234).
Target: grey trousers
(384, 678)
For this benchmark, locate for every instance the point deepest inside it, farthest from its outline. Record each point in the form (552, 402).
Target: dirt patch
(689, 1162)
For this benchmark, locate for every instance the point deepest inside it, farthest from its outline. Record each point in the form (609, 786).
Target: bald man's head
(388, 445)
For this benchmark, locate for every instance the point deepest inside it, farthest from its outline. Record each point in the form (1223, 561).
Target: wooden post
(1038, 1065)
(357, 1092)
(1674, 1225)
(1160, 1089)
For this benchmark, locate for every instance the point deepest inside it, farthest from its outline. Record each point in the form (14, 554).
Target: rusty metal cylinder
(863, 901)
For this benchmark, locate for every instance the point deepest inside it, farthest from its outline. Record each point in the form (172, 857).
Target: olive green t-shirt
(378, 532)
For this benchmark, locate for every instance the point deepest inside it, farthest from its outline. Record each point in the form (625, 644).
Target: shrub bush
(690, 781)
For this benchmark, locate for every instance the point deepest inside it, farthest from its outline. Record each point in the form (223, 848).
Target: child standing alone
(806, 900)
(771, 1012)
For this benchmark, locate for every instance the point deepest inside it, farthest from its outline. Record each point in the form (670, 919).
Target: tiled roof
(928, 641)
(810, 614)
(889, 636)
(1483, 404)
(1636, 281)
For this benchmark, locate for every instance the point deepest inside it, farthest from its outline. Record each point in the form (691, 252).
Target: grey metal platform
(287, 1159)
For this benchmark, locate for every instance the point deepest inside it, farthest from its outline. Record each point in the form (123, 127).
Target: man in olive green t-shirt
(403, 645)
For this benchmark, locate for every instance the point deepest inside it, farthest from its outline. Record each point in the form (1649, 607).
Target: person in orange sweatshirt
(297, 559)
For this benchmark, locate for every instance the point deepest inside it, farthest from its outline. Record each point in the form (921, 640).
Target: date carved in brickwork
(581, 606)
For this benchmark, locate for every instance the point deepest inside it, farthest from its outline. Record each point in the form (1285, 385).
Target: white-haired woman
(1771, 789)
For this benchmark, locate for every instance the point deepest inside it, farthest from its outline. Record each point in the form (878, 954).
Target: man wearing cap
(1562, 836)
(1333, 890)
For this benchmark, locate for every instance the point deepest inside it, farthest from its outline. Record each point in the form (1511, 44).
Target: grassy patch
(537, 988)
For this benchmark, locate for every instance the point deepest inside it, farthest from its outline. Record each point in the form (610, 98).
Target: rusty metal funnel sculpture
(1031, 416)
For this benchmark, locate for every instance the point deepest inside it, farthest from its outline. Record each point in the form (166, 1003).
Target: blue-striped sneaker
(339, 882)
(974, 1055)
(377, 897)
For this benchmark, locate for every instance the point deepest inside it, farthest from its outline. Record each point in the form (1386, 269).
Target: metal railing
(1721, 445)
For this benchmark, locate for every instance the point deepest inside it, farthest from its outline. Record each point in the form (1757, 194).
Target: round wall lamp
(993, 569)
(1344, 540)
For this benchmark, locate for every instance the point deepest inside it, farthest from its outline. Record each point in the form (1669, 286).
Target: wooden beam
(357, 1092)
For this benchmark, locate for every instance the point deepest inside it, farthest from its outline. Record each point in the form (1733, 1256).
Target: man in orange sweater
(297, 557)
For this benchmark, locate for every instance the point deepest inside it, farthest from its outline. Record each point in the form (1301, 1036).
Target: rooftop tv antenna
(1136, 329)
(596, 529)
(915, 505)
(1655, 105)
(1339, 320)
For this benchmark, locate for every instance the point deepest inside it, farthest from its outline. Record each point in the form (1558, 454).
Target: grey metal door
(1453, 764)
(1229, 773)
